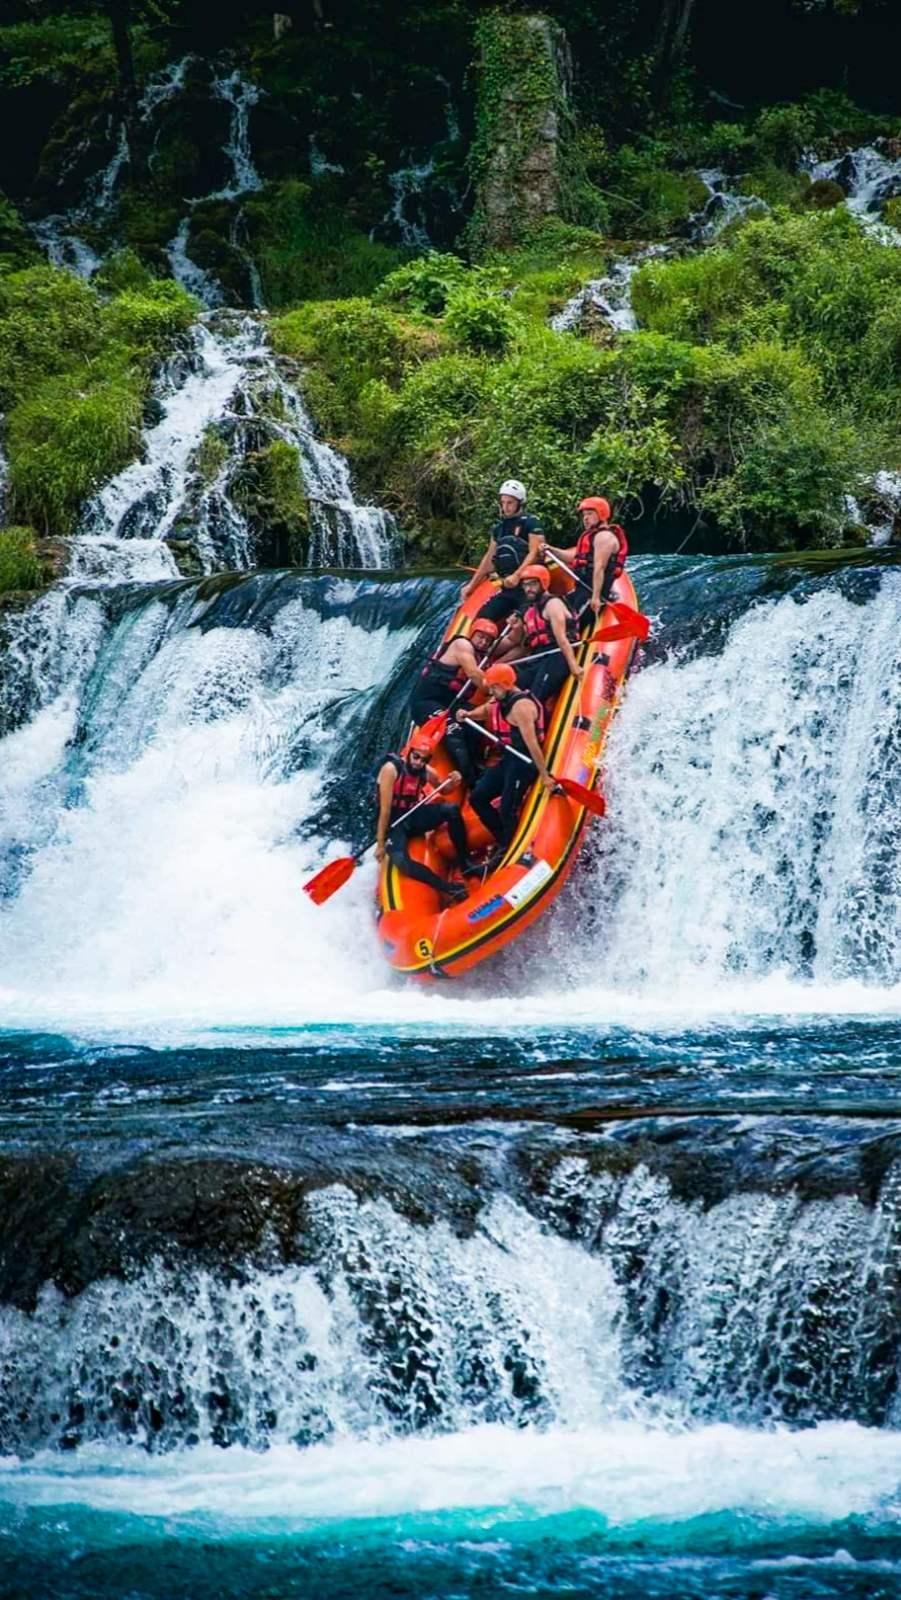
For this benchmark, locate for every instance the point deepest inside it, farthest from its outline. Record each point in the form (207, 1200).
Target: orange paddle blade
(595, 803)
(624, 613)
(330, 879)
(434, 727)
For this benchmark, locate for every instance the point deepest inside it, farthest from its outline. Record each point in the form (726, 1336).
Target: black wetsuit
(508, 778)
(438, 687)
(403, 828)
(511, 537)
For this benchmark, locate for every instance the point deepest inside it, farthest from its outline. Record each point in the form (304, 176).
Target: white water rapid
(756, 868)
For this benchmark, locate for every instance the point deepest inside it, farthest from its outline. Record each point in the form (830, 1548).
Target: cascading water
(724, 205)
(869, 177)
(608, 298)
(580, 1276)
(372, 1245)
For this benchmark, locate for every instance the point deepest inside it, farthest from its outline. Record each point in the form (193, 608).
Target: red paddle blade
(595, 803)
(624, 613)
(616, 630)
(330, 879)
(434, 727)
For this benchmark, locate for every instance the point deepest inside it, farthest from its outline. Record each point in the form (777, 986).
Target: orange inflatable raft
(420, 933)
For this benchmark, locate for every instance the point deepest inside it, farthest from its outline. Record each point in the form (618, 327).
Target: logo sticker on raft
(527, 886)
(479, 913)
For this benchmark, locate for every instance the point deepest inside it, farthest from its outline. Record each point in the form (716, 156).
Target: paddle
(640, 623)
(576, 791)
(329, 879)
(435, 726)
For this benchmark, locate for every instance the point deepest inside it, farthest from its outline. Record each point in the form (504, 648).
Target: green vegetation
(21, 564)
(270, 491)
(766, 378)
(306, 248)
(75, 366)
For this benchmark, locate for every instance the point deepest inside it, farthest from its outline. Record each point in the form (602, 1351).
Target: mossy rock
(189, 147)
(270, 491)
(27, 562)
(822, 194)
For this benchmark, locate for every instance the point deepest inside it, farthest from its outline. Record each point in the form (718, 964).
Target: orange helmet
(596, 503)
(420, 744)
(484, 625)
(540, 574)
(500, 676)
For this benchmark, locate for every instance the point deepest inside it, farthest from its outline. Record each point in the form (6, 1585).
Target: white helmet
(515, 488)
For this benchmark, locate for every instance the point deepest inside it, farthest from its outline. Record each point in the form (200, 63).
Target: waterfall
(608, 298)
(753, 812)
(406, 220)
(241, 95)
(605, 1302)
(723, 205)
(762, 803)
(869, 177)
(224, 378)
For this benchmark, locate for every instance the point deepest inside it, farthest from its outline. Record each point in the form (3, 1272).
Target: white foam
(628, 1474)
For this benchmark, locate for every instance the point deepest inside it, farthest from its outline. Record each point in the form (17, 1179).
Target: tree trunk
(669, 44)
(120, 22)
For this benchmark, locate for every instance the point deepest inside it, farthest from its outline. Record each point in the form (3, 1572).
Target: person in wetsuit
(447, 679)
(549, 633)
(516, 542)
(517, 719)
(401, 784)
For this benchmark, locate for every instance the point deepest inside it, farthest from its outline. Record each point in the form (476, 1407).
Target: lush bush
(765, 379)
(647, 198)
(74, 372)
(21, 566)
(424, 284)
(789, 486)
(64, 441)
(60, 48)
(817, 280)
(480, 321)
(17, 247)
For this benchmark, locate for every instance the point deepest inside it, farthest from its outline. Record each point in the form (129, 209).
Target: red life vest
(583, 560)
(498, 723)
(408, 787)
(538, 635)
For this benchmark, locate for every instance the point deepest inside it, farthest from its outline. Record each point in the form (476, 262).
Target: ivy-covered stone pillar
(522, 114)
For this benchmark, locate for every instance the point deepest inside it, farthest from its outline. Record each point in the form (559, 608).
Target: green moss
(211, 454)
(270, 491)
(21, 565)
(17, 247)
(891, 212)
(307, 248)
